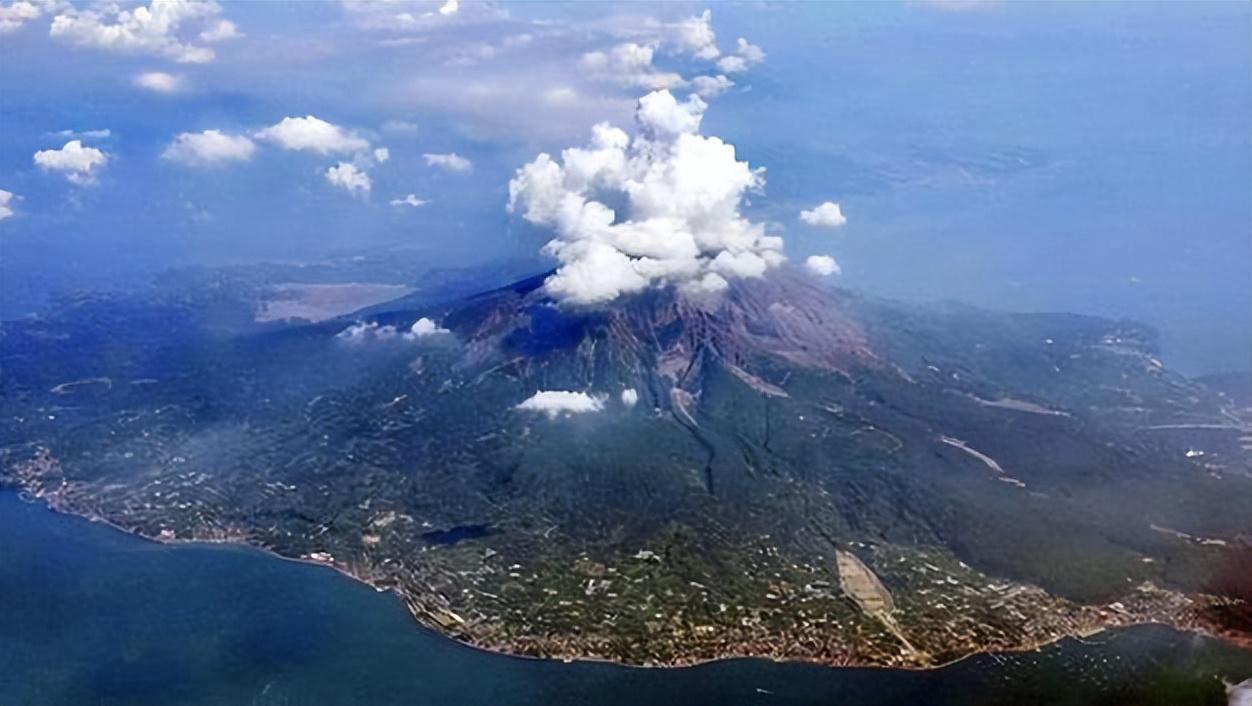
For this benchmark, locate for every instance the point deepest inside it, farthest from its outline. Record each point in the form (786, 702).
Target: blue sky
(1022, 156)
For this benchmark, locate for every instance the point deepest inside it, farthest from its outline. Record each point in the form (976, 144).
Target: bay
(94, 616)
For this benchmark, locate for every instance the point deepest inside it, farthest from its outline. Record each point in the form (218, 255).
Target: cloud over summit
(680, 194)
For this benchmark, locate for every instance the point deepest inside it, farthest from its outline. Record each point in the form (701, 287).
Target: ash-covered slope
(892, 412)
(786, 319)
(1003, 477)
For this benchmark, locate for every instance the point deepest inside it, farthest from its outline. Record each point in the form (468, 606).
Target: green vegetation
(653, 533)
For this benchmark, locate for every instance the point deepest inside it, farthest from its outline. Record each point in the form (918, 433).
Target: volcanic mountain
(784, 469)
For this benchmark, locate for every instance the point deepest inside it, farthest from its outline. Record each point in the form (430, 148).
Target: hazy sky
(1023, 156)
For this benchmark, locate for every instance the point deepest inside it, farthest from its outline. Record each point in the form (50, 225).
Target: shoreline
(503, 651)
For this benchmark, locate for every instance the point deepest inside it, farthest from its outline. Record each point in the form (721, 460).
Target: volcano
(784, 469)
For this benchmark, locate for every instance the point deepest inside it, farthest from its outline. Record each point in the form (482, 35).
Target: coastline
(243, 543)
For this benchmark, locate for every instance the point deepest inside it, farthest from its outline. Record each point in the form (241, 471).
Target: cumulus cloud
(827, 215)
(425, 327)
(823, 265)
(6, 204)
(746, 55)
(78, 163)
(372, 331)
(409, 200)
(159, 81)
(367, 331)
(555, 403)
(451, 162)
(312, 134)
(348, 176)
(681, 192)
(15, 14)
(710, 86)
(157, 29)
(209, 148)
(695, 35)
(630, 397)
(220, 31)
(732, 64)
(749, 51)
(631, 65)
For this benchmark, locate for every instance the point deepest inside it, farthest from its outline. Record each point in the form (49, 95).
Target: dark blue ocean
(91, 616)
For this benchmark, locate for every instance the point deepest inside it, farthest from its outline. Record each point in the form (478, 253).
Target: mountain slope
(1006, 479)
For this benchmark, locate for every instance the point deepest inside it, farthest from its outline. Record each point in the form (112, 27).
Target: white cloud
(416, 15)
(6, 204)
(347, 175)
(159, 81)
(409, 200)
(425, 327)
(630, 397)
(505, 104)
(451, 162)
(662, 118)
(373, 331)
(732, 64)
(152, 29)
(557, 402)
(209, 148)
(370, 331)
(633, 63)
(827, 215)
(695, 36)
(681, 192)
(629, 64)
(99, 134)
(400, 127)
(15, 14)
(749, 51)
(78, 163)
(710, 86)
(313, 134)
(220, 31)
(822, 265)
(382, 154)
(746, 55)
